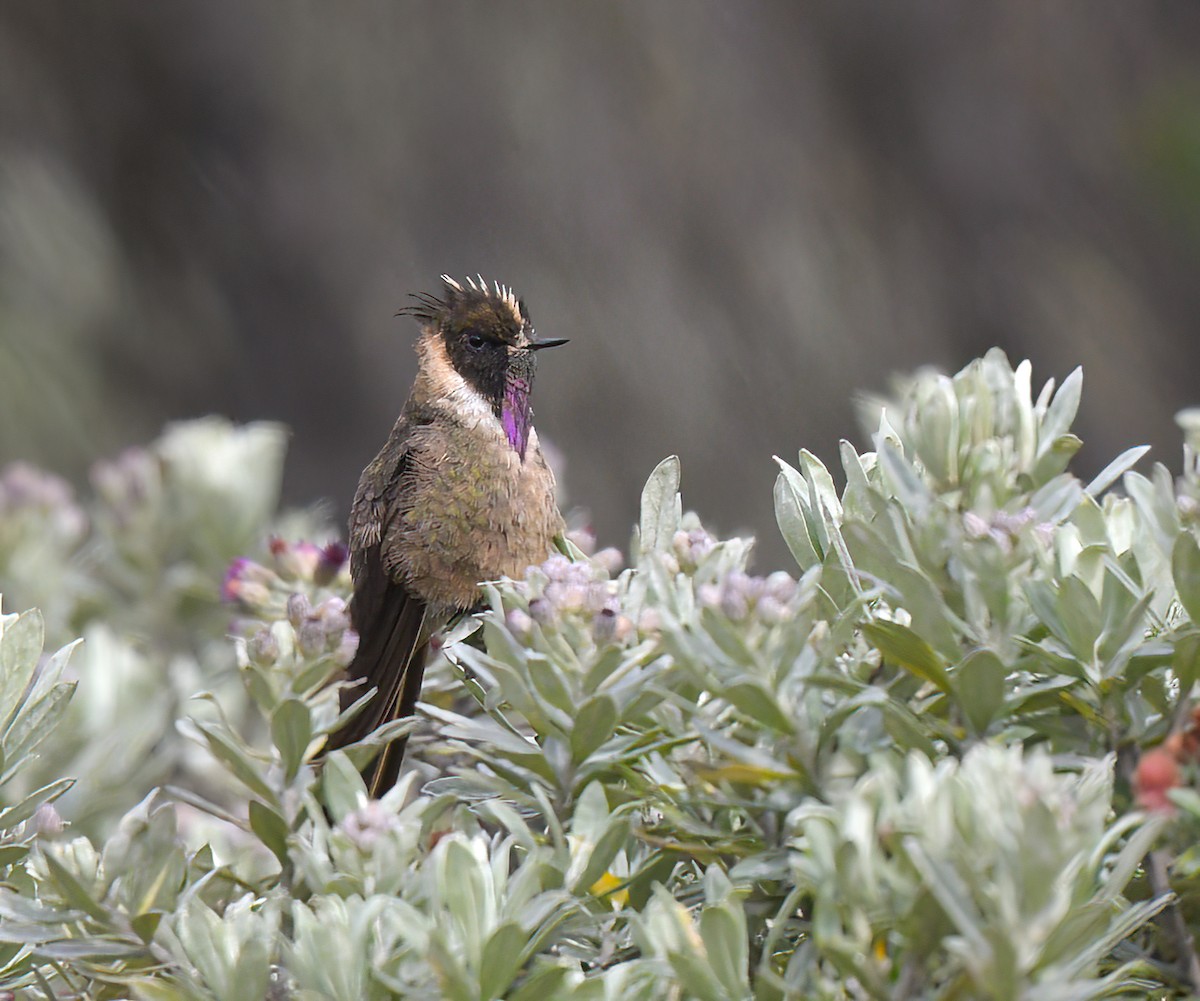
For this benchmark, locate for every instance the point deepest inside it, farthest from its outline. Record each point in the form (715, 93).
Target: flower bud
(247, 583)
(519, 623)
(649, 622)
(262, 648)
(691, 547)
(611, 559)
(584, 539)
(557, 567)
(781, 586)
(298, 609)
(333, 616)
(735, 603)
(310, 638)
(771, 611)
(330, 563)
(47, 822)
(346, 649)
(571, 597)
(604, 626)
(542, 611)
(366, 825)
(295, 561)
(975, 526)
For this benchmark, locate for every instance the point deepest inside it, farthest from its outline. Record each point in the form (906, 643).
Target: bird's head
(483, 333)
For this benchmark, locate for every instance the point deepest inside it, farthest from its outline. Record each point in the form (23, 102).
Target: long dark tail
(392, 647)
(382, 773)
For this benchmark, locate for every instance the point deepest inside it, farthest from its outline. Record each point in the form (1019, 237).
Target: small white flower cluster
(740, 597)
(1005, 529)
(26, 489)
(365, 826)
(319, 628)
(562, 591)
(324, 628)
(610, 558)
(688, 550)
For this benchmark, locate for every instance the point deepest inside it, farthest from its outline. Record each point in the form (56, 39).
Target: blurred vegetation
(758, 209)
(908, 769)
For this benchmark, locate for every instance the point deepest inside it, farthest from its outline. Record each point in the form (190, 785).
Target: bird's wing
(389, 620)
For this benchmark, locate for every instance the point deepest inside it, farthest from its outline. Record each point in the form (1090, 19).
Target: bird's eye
(475, 341)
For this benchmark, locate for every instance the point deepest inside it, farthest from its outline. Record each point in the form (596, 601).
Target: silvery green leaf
(1155, 499)
(1055, 500)
(934, 412)
(726, 946)
(594, 724)
(902, 646)
(552, 982)
(1116, 469)
(1060, 414)
(231, 952)
(291, 731)
(73, 892)
(615, 838)
(752, 697)
(503, 955)
(25, 808)
(904, 482)
(94, 949)
(887, 433)
(241, 765)
(147, 850)
(33, 723)
(1185, 569)
(792, 516)
(549, 684)
(979, 682)
(271, 828)
(822, 492)
(931, 617)
(20, 648)
(856, 497)
(342, 786)
(1185, 660)
(1079, 614)
(1052, 461)
(661, 507)
(1132, 855)
(464, 887)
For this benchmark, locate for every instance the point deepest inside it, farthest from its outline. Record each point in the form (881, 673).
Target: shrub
(911, 770)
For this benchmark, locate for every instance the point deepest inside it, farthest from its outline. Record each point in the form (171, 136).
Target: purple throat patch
(514, 415)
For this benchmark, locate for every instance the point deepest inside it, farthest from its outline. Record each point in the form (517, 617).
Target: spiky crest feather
(476, 291)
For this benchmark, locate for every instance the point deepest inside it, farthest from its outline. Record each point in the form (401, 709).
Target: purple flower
(330, 563)
(247, 583)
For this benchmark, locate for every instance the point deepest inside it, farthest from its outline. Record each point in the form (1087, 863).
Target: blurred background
(741, 215)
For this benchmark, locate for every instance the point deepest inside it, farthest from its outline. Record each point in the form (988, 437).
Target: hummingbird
(459, 494)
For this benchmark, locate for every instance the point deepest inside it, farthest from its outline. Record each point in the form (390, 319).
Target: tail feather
(391, 659)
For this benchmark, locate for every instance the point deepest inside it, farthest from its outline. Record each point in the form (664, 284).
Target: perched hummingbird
(459, 494)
